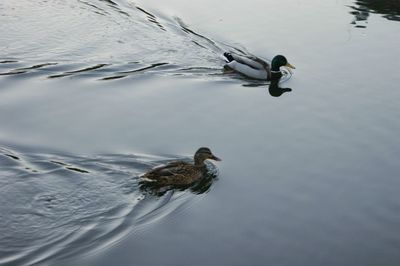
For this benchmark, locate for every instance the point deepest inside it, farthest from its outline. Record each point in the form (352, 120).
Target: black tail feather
(229, 56)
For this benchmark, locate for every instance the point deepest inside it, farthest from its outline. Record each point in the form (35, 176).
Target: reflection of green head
(277, 62)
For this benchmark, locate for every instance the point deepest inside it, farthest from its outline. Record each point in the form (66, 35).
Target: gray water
(94, 93)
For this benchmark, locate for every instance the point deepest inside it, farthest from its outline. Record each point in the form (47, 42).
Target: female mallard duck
(180, 173)
(256, 68)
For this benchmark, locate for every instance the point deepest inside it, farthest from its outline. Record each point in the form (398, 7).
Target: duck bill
(215, 158)
(290, 66)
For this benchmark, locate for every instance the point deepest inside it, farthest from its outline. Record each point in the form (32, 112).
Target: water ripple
(124, 33)
(86, 69)
(73, 205)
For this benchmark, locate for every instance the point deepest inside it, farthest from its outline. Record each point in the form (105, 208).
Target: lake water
(94, 93)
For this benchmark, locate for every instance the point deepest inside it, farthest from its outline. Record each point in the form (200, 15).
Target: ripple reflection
(56, 205)
(390, 9)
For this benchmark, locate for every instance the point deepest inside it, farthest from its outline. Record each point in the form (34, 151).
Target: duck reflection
(201, 186)
(390, 9)
(273, 87)
(275, 90)
(181, 175)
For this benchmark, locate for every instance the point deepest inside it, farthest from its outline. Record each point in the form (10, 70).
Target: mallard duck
(180, 173)
(256, 68)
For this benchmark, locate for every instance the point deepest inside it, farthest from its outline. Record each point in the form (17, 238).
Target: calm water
(94, 93)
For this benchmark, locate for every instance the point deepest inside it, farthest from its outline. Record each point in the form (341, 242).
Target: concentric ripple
(56, 206)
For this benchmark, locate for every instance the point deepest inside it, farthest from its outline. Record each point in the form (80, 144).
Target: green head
(279, 61)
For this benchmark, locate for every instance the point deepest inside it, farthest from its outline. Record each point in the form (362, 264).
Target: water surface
(95, 93)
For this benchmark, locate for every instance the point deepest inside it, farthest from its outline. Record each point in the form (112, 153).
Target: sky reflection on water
(309, 178)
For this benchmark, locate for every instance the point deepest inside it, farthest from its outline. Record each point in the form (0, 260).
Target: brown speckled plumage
(179, 172)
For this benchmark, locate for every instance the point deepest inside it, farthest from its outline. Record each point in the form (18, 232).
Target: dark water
(94, 93)
(390, 9)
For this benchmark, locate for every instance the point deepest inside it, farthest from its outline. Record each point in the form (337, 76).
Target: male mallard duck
(256, 68)
(179, 172)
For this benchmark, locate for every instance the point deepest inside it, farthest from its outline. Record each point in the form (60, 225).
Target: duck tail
(228, 57)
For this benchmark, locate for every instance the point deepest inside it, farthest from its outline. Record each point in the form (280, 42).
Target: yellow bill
(290, 66)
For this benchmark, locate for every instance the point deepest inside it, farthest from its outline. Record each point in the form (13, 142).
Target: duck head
(277, 62)
(203, 154)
